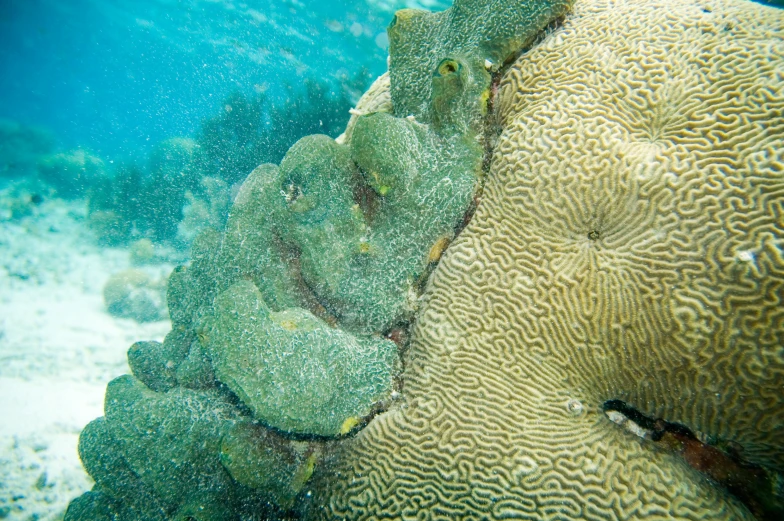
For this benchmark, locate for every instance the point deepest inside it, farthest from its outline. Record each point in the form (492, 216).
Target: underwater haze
(119, 75)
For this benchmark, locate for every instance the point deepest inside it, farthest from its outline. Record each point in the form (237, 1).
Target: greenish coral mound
(119, 492)
(171, 440)
(185, 454)
(155, 456)
(262, 460)
(156, 364)
(71, 173)
(294, 371)
(462, 43)
(353, 230)
(421, 185)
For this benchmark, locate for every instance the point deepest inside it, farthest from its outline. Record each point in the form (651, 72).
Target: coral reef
(70, 173)
(134, 294)
(278, 322)
(21, 147)
(380, 247)
(628, 245)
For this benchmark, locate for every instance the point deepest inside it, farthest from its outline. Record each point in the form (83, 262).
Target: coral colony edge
(539, 277)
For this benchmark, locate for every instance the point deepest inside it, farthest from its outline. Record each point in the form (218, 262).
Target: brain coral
(629, 245)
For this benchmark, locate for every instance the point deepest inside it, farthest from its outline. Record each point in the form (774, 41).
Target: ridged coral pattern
(630, 245)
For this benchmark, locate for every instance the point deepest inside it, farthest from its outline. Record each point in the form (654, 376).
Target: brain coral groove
(629, 245)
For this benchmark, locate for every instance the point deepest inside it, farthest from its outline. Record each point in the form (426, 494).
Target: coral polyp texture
(629, 245)
(323, 376)
(476, 37)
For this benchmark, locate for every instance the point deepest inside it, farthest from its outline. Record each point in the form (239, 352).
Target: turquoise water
(92, 93)
(118, 76)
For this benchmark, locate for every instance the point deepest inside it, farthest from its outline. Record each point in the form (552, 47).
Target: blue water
(119, 75)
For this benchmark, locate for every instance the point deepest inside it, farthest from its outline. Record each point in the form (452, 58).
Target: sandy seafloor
(58, 350)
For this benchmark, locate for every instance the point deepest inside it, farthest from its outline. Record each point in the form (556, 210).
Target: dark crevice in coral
(536, 40)
(491, 126)
(309, 300)
(758, 488)
(232, 398)
(491, 131)
(366, 198)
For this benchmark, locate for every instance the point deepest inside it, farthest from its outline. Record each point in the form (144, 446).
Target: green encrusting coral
(263, 460)
(171, 440)
(119, 492)
(279, 321)
(306, 238)
(291, 369)
(172, 455)
(471, 39)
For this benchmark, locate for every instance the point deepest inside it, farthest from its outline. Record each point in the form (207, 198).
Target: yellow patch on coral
(349, 424)
(438, 249)
(305, 472)
(288, 325)
(484, 101)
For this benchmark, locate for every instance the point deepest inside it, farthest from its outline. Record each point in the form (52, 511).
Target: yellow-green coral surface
(629, 245)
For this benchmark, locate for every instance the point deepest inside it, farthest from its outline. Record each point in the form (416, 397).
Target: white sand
(58, 350)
